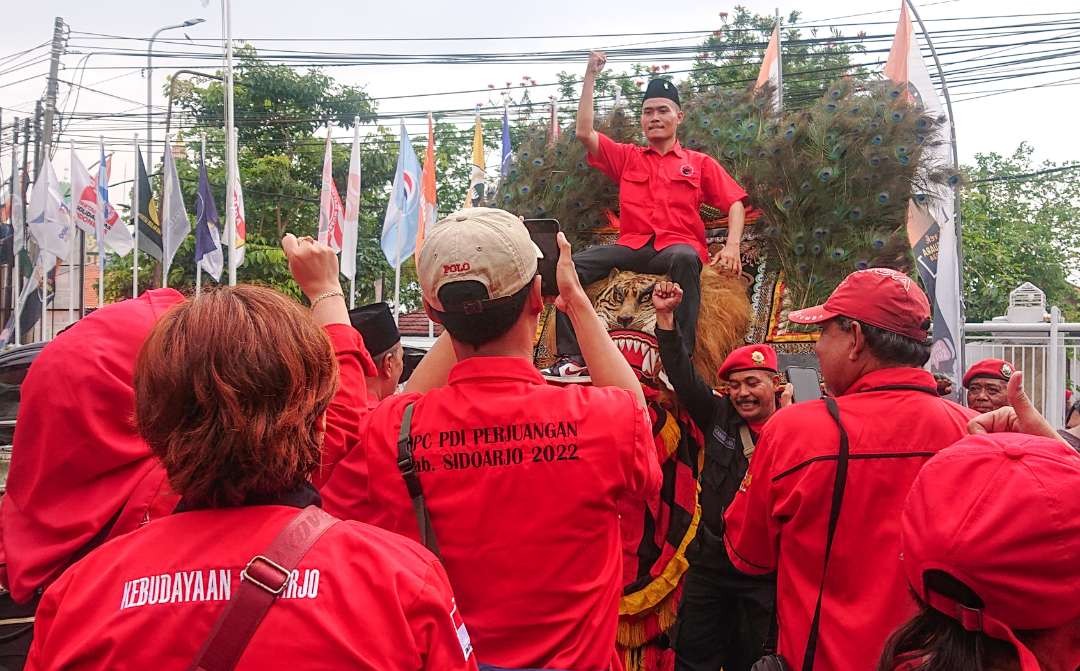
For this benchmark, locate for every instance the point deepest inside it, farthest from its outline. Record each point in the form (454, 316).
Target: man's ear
(536, 298)
(858, 341)
(679, 115)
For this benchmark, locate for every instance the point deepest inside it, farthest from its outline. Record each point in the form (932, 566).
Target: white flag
(352, 210)
(86, 213)
(240, 229)
(770, 68)
(937, 221)
(175, 224)
(330, 210)
(48, 217)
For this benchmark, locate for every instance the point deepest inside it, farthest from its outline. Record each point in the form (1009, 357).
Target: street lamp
(150, 84)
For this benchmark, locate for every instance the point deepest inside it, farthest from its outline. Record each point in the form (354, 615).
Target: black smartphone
(805, 381)
(543, 232)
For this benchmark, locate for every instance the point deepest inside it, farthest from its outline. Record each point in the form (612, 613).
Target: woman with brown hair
(232, 390)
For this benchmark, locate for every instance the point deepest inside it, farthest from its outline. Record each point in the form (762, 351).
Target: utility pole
(37, 139)
(50, 88)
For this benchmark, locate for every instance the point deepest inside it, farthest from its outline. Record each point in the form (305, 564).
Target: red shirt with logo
(660, 196)
(523, 482)
(779, 518)
(362, 598)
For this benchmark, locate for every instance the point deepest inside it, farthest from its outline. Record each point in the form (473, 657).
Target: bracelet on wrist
(323, 296)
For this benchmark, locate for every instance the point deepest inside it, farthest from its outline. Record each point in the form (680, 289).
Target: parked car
(14, 363)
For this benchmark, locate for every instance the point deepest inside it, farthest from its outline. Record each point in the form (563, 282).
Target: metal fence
(1048, 352)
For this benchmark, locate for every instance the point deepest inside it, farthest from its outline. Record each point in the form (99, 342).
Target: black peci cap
(662, 88)
(376, 325)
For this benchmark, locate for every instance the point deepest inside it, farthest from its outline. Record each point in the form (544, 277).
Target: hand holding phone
(544, 234)
(806, 383)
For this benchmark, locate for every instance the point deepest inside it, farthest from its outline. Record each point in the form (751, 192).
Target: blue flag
(208, 252)
(403, 211)
(505, 164)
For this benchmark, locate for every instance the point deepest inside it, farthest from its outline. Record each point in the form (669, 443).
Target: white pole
(43, 289)
(161, 217)
(135, 218)
(16, 183)
(397, 271)
(100, 243)
(779, 62)
(230, 141)
(202, 162)
(352, 293)
(71, 266)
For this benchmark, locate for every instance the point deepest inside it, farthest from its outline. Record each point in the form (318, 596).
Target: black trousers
(679, 262)
(725, 617)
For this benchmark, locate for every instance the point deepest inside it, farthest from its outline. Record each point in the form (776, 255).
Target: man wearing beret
(725, 615)
(662, 187)
(986, 383)
(376, 325)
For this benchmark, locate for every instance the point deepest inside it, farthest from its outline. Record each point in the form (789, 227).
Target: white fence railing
(1047, 352)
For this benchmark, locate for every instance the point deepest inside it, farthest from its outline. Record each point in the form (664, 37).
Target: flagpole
(43, 290)
(230, 141)
(16, 235)
(71, 249)
(352, 280)
(202, 162)
(135, 249)
(397, 270)
(100, 242)
(161, 220)
(960, 326)
(779, 63)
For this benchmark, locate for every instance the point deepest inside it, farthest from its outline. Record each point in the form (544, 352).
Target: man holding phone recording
(725, 616)
(661, 189)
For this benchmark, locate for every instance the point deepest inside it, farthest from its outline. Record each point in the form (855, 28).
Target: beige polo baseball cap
(479, 244)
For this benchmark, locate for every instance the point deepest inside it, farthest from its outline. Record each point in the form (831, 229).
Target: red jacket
(779, 517)
(523, 481)
(80, 474)
(361, 598)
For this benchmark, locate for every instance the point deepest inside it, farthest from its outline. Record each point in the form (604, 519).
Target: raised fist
(597, 61)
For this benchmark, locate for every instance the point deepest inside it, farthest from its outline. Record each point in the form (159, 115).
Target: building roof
(416, 324)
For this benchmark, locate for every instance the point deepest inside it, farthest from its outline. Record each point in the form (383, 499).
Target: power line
(1024, 176)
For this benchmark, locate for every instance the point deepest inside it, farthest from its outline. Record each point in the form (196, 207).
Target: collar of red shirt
(890, 376)
(495, 367)
(676, 149)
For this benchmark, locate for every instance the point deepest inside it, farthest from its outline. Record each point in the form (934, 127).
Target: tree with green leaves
(1019, 229)
(282, 117)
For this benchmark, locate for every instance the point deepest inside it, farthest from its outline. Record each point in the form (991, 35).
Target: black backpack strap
(834, 517)
(412, 483)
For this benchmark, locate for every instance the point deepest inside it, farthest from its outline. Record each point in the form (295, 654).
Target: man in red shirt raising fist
(662, 187)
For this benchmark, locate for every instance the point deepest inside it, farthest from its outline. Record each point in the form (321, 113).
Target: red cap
(999, 369)
(748, 357)
(999, 513)
(881, 297)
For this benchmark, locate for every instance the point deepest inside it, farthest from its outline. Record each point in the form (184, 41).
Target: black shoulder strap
(834, 517)
(412, 482)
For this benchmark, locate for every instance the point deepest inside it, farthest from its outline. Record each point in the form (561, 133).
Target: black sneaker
(567, 369)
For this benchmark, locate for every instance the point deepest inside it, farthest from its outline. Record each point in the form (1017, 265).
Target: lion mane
(624, 301)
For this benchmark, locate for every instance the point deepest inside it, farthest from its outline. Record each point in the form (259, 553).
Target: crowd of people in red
(230, 481)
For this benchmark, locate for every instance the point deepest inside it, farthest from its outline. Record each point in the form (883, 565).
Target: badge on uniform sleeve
(1006, 371)
(745, 484)
(757, 357)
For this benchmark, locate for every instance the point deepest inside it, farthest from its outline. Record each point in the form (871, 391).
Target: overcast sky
(1045, 117)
